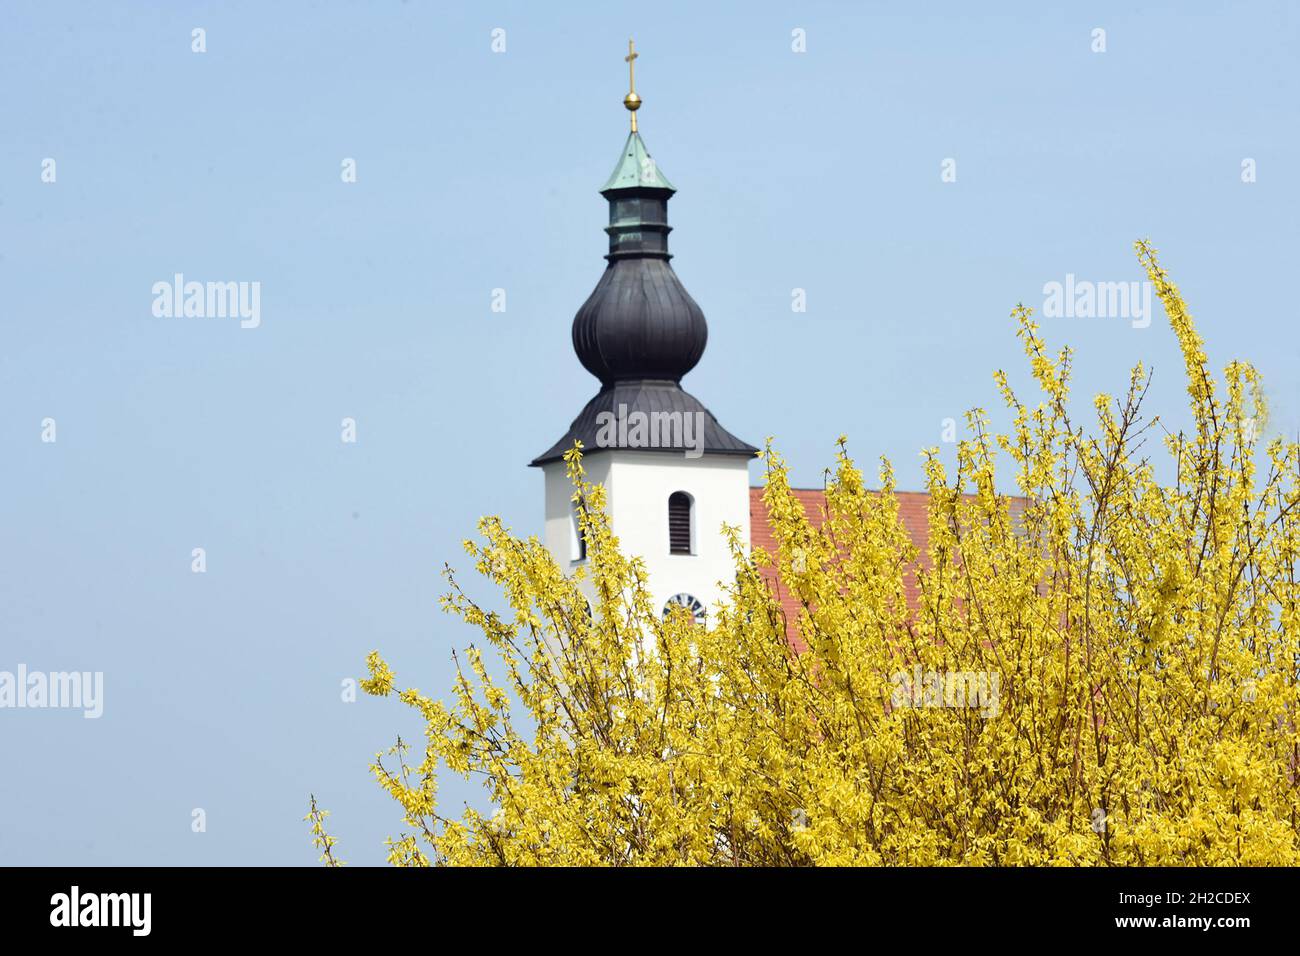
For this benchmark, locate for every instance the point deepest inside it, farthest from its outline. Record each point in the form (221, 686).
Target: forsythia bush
(1142, 638)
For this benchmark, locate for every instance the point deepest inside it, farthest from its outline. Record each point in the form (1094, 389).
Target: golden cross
(631, 101)
(631, 67)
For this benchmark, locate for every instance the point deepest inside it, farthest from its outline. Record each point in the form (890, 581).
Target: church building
(673, 475)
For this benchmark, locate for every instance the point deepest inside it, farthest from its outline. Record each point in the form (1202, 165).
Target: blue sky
(475, 171)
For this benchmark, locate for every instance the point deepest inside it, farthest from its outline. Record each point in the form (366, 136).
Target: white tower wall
(637, 486)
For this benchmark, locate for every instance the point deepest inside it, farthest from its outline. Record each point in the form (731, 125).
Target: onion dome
(640, 331)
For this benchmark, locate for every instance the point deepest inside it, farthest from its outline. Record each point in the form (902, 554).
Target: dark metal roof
(639, 323)
(640, 331)
(648, 397)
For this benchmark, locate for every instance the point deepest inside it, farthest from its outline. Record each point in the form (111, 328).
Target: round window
(688, 601)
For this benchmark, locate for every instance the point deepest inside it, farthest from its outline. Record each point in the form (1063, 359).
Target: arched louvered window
(679, 523)
(579, 540)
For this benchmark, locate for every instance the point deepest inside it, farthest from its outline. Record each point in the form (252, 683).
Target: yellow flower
(1100, 672)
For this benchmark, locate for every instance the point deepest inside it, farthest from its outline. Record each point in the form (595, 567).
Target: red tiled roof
(913, 511)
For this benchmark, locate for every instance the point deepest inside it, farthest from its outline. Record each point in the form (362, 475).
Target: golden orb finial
(631, 101)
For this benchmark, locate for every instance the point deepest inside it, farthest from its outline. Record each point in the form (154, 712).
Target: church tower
(672, 475)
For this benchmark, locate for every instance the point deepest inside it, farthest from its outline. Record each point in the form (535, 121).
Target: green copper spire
(638, 193)
(636, 169)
